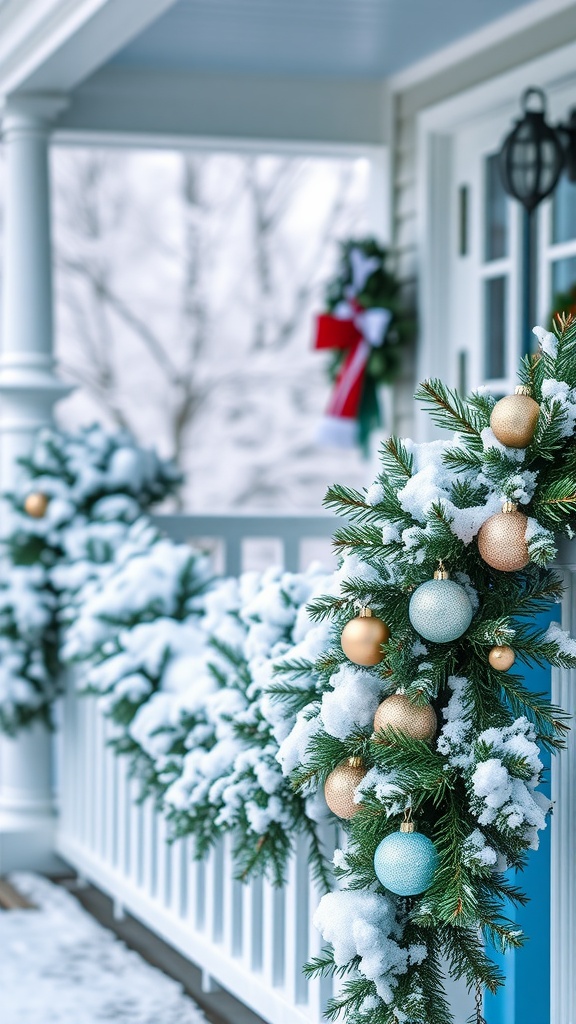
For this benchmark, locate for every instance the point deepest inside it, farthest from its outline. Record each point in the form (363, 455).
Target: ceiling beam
(175, 104)
(53, 45)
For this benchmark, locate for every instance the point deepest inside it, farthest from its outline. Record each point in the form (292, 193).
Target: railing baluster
(149, 847)
(319, 989)
(162, 860)
(274, 943)
(214, 884)
(253, 924)
(135, 833)
(121, 849)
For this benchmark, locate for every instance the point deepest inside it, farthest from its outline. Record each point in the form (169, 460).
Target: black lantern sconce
(532, 155)
(531, 160)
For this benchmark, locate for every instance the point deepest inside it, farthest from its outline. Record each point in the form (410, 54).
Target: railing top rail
(260, 525)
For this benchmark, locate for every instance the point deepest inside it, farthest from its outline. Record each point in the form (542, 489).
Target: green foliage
(494, 719)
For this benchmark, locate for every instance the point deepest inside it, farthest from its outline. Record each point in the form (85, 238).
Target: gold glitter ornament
(514, 418)
(502, 539)
(35, 504)
(419, 722)
(340, 787)
(501, 657)
(363, 637)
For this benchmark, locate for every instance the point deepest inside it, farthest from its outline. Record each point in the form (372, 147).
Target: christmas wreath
(365, 325)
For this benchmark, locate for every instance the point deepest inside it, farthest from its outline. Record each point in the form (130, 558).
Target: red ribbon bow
(359, 330)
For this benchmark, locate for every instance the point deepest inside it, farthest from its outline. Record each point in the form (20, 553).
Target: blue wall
(525, 998)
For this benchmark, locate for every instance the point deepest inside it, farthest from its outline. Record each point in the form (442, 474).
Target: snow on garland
(93, 487)
(472, 787)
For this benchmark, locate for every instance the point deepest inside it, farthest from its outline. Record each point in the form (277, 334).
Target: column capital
(31, 109)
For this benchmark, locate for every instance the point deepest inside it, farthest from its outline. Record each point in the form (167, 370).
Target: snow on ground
(59, 966)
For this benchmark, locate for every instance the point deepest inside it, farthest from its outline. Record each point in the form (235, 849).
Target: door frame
(436, 128)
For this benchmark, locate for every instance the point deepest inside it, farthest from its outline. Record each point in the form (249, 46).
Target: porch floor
(219, 1006)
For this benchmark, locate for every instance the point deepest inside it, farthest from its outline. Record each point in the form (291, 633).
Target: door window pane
(495, 302)
(563, 276)
(496, 212)
(564, 211)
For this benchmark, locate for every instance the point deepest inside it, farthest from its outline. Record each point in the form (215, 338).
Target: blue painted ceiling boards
(347, 38)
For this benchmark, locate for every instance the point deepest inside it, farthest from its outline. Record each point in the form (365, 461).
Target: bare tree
(235, 295)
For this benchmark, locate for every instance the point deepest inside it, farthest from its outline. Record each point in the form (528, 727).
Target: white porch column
(563, 858)
(28, 390)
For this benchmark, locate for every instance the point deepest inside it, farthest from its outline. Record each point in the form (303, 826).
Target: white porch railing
(241, 541)
(251, 939)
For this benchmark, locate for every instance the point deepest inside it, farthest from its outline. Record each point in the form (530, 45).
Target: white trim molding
(563, 857)
(501, 30)
(52, 45)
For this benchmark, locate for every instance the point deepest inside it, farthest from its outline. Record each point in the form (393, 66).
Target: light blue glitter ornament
(405, 861)
(440, 610)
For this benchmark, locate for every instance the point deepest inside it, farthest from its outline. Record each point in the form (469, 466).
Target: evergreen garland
(474, 790)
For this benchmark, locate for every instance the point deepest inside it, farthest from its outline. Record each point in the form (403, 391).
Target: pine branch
(345, 501)
(367, 537)
(447, 409)
(396, 460)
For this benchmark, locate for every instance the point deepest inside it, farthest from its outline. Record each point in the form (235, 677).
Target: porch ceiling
(341, 38)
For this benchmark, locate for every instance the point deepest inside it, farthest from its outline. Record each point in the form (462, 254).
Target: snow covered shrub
(96, 486)
(186, 675)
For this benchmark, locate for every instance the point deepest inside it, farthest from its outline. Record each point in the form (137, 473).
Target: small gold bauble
(340, 787)
(501, 657)
(502, 540)
(36, 504)
(400, 713)
(514, 418)
(363, 637)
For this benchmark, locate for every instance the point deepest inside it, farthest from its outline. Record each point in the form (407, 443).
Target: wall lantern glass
(533, 155)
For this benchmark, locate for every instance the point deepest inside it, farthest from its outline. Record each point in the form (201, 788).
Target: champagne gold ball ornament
(514, 418)
(440, 610)
(501, 657)
(419, 722)
(340, 787)
(36, 504)
(502, 539)
(363, 637)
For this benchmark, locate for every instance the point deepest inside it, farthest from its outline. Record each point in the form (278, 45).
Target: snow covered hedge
(97, 486)
(184, 669)
(182, 662)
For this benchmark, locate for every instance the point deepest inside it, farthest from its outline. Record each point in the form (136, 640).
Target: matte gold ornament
(36, 504)
(514, 418)
(502, 539)
(501, 657)
(363, 637)
(340, 787)
(419, 722)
